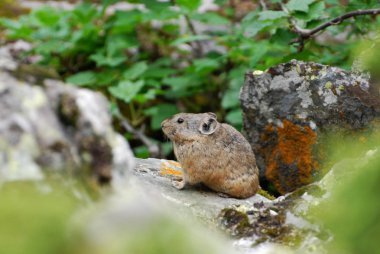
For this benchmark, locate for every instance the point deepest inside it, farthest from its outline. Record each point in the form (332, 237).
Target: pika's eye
(179, 120)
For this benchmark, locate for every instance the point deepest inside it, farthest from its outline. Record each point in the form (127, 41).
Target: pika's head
(190, 127)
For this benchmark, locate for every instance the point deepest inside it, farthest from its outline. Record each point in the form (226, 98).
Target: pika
(212, 153)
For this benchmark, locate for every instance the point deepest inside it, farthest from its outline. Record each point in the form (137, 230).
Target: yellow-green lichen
(257, 72)
(328, 85)
(266, 194)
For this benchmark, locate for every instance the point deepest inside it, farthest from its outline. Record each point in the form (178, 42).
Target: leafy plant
(165, 57)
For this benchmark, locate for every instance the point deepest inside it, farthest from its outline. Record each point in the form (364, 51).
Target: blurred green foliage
(167, 56)
(57, 216)
(352, 213)
(34, 217)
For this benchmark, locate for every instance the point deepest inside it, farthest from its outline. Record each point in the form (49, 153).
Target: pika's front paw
(223, 195)
(179, 184)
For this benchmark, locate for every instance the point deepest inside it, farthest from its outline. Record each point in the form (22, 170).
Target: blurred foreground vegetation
(57, 216)
(352, 213)
(160, 57)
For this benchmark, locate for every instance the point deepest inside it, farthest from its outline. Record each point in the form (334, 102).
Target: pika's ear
(213, 115)
(208, 125)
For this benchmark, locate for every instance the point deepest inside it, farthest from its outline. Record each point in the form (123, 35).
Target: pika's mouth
(168, 132)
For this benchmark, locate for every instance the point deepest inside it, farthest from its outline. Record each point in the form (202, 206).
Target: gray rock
(135, 220)
(257, 224)
(288, 108)
(204, 204)
(58, 127)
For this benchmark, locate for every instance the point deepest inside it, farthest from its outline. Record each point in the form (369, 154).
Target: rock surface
(256, 223)
(155, 176)
(288, 108)
(55, 126)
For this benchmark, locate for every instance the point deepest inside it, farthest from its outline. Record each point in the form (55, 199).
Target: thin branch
(263, 5)
(154, 149)
(305, 34)
(194, 32)
(198, 44)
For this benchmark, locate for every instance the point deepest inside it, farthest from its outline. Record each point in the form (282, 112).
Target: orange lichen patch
(172, 168)
(174, 163)
(170, 171)
(289, 161)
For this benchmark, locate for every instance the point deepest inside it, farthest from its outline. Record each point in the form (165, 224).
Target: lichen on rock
(57, 127)
(288, 109)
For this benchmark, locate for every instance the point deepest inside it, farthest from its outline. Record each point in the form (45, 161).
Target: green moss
(264, 193)
(235, 221)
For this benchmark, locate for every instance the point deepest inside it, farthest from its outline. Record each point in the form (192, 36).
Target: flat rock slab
(155, 176)
(251, 222)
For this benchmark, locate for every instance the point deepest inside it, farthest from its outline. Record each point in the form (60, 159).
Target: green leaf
(190, 38)
(141, 152)
(84, 13)
(126, 90)
(49, 47)
(316, 10)
(16, 29)
(105, 60)
(190, 5)
(154, 5)
(299, 5)
(260, 51)
(159, 113)
(47, 16)
(252, 28)
(10, 24)
(126, 21)
(116, 44)
(272, 15)
(114, 109)
(211, 18)
(205, 65)
(82, 78)
(234, 117)
(107, 77)
(168, 14)
(158, 72)
(231, 99)
(167, 148)
(178, 83)
(236, 77)
(135, 71)
(144, 97)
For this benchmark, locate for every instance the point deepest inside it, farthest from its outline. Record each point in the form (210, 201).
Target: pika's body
(212, 153)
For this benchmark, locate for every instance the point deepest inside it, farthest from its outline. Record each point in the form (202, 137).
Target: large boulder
(288, 109)
(55, 126)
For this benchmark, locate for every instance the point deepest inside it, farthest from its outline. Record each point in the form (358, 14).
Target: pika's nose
(163, 123)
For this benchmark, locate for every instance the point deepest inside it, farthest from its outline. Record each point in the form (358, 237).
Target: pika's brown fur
(212, 153)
